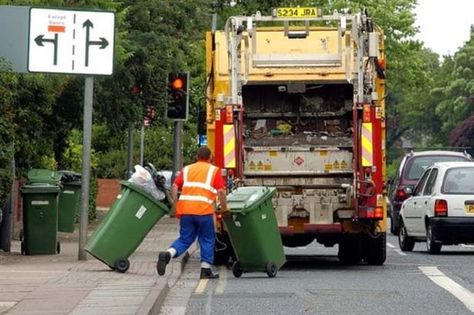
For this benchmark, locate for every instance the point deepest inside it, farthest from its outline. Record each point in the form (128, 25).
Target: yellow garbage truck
(296, 101)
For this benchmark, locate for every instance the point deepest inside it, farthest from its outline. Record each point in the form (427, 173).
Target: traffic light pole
(177, 149)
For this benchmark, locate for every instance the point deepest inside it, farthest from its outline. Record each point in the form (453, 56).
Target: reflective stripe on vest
(197, 194)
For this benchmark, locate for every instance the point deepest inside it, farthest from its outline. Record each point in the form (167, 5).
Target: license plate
(469, 208)
(300, 12)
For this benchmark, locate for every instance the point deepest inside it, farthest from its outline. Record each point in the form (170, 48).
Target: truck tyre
(405, 242)
(349, 250)
(376, 249)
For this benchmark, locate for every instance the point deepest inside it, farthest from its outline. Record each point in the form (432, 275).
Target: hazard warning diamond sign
(298, 161)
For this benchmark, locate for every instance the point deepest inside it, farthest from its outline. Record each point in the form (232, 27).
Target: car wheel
(405, 242)
(394, 229)
(432, 246)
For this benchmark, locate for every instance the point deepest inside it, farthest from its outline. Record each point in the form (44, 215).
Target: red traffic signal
(178, 96)
(177, 84)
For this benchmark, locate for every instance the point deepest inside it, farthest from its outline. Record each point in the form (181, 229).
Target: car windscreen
(459, 180)
(417, 165)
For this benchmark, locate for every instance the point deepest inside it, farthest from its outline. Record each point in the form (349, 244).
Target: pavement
(61, 284)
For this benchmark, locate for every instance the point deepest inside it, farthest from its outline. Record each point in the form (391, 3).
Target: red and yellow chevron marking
(367, 145)
(229, 146)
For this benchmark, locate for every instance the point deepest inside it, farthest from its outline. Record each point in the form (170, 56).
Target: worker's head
(204, 154)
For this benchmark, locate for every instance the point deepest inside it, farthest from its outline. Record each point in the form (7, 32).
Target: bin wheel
(122, 265)
(236, 270)
(58, 247)
(22, 248)
(271, 269)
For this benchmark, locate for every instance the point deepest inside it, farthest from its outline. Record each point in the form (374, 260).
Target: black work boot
(207, 273)
(163, 259)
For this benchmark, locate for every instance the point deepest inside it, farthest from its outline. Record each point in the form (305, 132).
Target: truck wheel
(349, 250)
(122, 265)
(236, 270)
(433, 247)
(271, 269)
(405, 242)
(376, 249)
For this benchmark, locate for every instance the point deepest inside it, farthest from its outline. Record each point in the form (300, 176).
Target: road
(314, 282)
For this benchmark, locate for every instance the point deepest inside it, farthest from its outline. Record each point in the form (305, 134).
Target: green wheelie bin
(253, 231)
(40, 219)
(131, 217)
(69, 200)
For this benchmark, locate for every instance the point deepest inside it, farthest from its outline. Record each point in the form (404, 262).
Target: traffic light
(178, 96)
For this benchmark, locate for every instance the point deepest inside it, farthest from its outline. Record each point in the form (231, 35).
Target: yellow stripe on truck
(367, 145)
(229, 146)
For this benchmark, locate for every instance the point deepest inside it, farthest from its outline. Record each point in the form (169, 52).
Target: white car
(441, 208)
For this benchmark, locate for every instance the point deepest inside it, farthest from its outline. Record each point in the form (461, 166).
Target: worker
(200, 184)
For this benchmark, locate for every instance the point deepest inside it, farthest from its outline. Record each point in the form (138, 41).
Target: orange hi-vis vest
(198, 197)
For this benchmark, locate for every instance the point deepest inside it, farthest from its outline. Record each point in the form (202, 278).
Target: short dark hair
(203, 153)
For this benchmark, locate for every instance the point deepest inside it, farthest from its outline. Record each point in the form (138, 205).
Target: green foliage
(72, 156)
(455, 87)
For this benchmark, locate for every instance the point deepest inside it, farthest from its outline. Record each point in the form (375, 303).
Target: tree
(455, 87)
(463, 134)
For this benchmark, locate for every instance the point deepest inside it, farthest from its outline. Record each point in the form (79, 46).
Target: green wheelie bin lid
(38, 175)
(247, 199)
(38, 188)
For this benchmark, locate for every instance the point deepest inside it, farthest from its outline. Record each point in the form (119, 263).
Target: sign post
(86, 162)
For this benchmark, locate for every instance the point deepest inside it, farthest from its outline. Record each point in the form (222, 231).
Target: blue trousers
(200, 226)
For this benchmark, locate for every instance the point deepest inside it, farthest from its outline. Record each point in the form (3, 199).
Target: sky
(444, 25)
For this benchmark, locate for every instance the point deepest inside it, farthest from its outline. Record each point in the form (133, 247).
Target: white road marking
(201, 286)
(222, 280)
(467, 246)
(399, 252)
(461, 293)
(7, 304)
